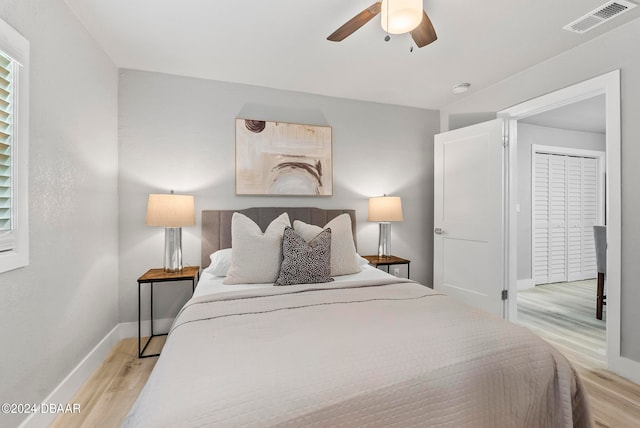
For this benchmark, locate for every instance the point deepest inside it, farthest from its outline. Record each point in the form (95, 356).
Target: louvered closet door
(589, 216)
(557, 219)
(541, 219)
(565, 211)
(574, 218)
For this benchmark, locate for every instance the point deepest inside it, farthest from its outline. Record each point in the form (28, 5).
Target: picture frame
(280, 158)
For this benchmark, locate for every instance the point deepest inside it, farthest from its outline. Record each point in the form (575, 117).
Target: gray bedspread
(363, 354)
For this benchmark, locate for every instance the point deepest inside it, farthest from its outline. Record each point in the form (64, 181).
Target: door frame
(609, 85)
(600, 158)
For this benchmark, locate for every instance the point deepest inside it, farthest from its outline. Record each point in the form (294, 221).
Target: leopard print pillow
(305, 262)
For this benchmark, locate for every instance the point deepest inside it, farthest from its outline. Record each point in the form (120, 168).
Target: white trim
(608, 84)
(600, 156)
(511, 219)
(130, 329)
(64, 392)
(630, 367)
(525, 284)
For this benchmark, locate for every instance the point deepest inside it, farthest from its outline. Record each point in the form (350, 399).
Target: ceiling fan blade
(424, 33)
(355, 23)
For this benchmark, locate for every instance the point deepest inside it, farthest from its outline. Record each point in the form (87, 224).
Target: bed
(364, 349)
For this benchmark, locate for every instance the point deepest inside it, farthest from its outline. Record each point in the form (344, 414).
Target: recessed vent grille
(599, 16)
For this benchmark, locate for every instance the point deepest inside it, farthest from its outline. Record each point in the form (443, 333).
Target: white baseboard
(64, 392)
(626, 368)
(130, 329)
(524, 284)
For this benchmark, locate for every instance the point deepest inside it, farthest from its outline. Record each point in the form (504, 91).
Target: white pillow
(220, 262)
(362, 261)
(344, 259)
(255, 256)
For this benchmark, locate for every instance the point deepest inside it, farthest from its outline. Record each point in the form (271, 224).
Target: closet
(565, 208)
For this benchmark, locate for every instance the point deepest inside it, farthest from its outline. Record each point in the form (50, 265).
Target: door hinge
(505, 294)
(505, 141)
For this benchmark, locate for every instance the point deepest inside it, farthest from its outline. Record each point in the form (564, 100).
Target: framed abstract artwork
(277, 158)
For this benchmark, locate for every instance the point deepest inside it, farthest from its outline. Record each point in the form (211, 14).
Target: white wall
(178, 133)
(540, 135)
(608, 52)
(53, 312)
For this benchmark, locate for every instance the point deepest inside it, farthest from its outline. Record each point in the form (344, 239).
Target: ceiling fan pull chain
(387, 37)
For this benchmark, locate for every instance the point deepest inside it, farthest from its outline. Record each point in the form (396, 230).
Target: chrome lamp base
(172, 249)
(384, 241)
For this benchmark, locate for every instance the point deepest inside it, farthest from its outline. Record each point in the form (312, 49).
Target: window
(14, 141)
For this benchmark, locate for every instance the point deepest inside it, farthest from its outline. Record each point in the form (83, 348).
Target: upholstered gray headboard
(216, 224)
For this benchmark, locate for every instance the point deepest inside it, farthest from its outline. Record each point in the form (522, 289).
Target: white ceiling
(282, 43)
(587, 116)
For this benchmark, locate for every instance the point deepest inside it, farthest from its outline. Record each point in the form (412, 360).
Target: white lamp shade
(400, 16)
(385, 208)
(169, 210)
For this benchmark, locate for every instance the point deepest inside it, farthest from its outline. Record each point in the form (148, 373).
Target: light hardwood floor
(564, 314)
(108, 395)
(106, 398)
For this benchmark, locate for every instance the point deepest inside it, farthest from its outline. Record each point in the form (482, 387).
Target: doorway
(561, 197)
(607, 85)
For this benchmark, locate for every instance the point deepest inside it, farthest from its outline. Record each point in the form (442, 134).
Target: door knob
(438, 231)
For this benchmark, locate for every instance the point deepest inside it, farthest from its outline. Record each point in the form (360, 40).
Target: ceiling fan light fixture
(400, 16)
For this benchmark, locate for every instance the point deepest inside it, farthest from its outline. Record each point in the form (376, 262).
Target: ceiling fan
(398, 17)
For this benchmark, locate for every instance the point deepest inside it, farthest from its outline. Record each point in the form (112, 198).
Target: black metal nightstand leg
(139, 329)
(151, 285)
(152, 335)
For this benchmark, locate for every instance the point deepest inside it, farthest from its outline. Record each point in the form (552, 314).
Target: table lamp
(171, 212)
(385, 209)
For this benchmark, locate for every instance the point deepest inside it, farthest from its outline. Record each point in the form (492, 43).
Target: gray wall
(54, 311)
(599, 56)
(178, 133)
(533, 134)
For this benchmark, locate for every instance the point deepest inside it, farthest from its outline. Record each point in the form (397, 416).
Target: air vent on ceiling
(599, 16)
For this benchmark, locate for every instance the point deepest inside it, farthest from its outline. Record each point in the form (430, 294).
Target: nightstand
(191, 273)
(388, 261)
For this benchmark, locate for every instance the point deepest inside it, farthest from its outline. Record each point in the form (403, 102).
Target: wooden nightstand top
(385, 261)
(159, 275)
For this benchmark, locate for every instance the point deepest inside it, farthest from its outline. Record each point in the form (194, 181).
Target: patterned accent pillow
(305, 262)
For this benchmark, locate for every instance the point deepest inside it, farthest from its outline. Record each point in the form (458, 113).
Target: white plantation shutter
(7, 240)
(14, 149)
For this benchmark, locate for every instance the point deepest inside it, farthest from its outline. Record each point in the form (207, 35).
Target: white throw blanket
(378, 354)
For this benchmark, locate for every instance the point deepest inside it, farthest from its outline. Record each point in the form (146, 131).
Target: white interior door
(469, 215)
